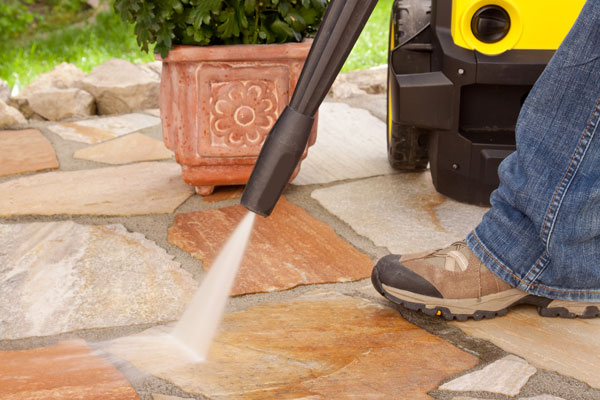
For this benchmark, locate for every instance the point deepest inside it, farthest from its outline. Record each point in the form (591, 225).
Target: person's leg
(542, 234)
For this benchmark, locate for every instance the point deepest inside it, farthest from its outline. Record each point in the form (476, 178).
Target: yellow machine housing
(535, 24)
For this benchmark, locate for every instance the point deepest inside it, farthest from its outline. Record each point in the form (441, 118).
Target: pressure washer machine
(459, 72)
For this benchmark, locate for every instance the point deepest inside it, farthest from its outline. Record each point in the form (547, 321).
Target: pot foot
(205, 190)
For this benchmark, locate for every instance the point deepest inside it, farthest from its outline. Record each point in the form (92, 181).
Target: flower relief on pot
(243, 105)
(242, 113)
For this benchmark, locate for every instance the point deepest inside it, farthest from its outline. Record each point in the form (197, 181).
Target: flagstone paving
(401, 212)
(83, 256)
(25, 151)
(506, 376)
(570, 347)
(351, 144)
(144, 188)
(62, 276)
(224, 193)
(288, 249)
(135, 147)
(67, 370)
(105, 128)
(324, 345)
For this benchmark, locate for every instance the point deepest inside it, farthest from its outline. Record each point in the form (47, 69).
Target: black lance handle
(343, 22)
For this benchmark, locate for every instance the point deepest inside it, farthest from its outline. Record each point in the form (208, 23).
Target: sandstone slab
(542, 397)
(569, 347)
(322, 346)
(58, 104)
(63, 76)
(10, 116)
(351, 144)
(25, 151)
(402, 212)
(135, 147)
(67, 370)
(121, 87)
(136, 189)
(506, 376)
(102, 129)
(288, 249)
(62, 276)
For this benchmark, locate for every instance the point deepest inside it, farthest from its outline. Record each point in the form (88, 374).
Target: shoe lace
(453, 256)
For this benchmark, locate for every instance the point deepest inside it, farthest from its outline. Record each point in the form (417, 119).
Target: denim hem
(506, 273)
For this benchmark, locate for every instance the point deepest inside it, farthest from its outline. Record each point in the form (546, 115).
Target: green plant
(15, 17)
(212, 22)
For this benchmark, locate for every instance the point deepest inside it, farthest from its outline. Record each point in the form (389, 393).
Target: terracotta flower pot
(218, 103)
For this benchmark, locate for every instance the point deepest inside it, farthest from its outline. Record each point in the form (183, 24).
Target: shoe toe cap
(390, 272)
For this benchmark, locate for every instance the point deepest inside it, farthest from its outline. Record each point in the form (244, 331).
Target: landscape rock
(58, 104)
(4, 91)
(319, 346)
(344, 90)
(62, 276)
(135, 189)
(22, 104)
(10, 116)
(25, 151)
(506, 376)
(154, 66)
(67, 370)
(121, 87)
(371, 81)
(127, 149)
(63, 76)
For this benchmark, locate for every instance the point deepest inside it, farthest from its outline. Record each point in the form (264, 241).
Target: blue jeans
(542, 234)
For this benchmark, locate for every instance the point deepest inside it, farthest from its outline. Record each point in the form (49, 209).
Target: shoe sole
(485, 307)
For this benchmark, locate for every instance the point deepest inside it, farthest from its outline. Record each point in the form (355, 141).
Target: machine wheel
(407, 145)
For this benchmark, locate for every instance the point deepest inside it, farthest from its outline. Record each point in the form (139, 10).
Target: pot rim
(245, 52)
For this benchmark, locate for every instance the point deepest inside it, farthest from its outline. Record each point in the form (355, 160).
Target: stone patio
(102, 245)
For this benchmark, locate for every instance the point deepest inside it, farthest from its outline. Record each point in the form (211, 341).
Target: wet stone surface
(323, 345)
(61, 276)
(288, 249)
(68, 370)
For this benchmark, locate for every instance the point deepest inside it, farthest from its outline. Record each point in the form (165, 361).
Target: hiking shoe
(454, 284)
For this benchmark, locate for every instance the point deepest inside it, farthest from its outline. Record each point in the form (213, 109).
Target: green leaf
(250, 6)
(282, 30)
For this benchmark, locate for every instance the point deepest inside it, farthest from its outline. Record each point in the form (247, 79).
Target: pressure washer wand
(343, 22)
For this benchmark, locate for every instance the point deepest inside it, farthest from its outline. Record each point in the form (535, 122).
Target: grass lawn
(85, 45)
(372, 46)
(88, 44)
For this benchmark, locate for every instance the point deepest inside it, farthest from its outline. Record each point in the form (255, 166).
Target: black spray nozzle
(277, 161)
(339, 30)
